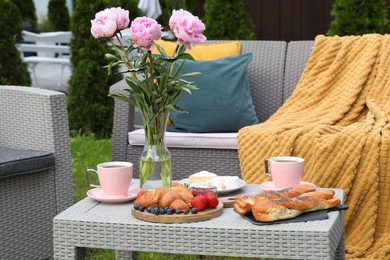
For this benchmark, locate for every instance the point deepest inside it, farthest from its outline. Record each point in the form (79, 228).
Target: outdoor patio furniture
(273, 73)
(98, 225)
(47, 48)
(35, 170)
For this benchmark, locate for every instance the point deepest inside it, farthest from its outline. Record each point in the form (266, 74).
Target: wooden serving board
(179, 218)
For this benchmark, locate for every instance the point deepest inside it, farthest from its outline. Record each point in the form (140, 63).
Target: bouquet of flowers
(154, 82)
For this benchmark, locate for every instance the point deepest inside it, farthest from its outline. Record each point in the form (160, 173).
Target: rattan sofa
(33, 122)
(273, 73)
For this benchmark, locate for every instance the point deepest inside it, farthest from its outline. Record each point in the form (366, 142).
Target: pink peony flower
(109, 21)
(103, 27)
(144, 31)
(187, 28)
(119, 15)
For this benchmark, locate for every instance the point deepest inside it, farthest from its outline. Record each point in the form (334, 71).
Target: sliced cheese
(224, 182)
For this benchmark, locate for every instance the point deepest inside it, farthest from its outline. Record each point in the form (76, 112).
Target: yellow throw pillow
(210, 51)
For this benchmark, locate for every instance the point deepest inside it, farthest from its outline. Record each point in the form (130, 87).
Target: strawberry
(199, 202)
(140, 192)
(212, 200)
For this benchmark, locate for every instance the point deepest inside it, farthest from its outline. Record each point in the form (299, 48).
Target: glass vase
(155, 162)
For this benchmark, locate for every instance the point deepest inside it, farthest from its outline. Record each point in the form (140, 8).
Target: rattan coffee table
(97, 225)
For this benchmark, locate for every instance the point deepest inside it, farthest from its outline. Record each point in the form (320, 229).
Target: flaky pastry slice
(243, 204)
(265, 210)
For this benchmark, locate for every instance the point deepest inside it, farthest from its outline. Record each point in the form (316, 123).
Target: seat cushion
(190, 140)
(17, 161)
(222, 102)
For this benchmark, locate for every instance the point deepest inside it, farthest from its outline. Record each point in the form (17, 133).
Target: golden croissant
(176, 197)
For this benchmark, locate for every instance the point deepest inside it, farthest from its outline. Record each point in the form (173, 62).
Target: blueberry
(141, 208)
(194, 210)
(162, 211)
(157, 212)
(178, 211)
(149, 209)
(136, 206)
(170, 211)
(185, 212)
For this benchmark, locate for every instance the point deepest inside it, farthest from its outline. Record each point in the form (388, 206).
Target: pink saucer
(98, 195)
(269, 185)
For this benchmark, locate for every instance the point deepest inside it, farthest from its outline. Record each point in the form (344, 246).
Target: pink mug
(114, 178)
(285, 171)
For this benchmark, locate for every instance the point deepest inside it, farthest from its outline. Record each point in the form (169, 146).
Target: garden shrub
(58, 15)
(227, 20)
(12, 70)
(130, 5)
(357, 17)
(28, 12)
(90, 109)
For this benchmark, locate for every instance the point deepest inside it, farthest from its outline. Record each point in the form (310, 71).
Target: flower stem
(155, 152)
(126, 60)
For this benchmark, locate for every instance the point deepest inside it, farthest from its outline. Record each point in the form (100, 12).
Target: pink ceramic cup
(114, 178)
(285, 171)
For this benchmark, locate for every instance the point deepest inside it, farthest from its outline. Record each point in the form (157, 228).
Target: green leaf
(123, 97)
(110, 56)
(178, 69)
(185, 56)
(161, 50)
(179, 109)
(191, 74)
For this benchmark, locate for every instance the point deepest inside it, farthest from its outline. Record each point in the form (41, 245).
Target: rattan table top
(92, 224)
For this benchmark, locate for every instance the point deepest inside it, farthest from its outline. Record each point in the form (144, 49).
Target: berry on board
(212, 200)
(199, 202)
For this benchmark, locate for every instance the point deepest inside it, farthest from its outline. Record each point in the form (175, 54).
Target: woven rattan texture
(298, 53)
(227, 235)
(266, 73)
(37, 119)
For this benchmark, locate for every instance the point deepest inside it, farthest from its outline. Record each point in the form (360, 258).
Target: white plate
(98, 195)
(221, 192)
(269, 185)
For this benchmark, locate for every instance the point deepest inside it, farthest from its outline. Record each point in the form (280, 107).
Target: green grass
(87, 152)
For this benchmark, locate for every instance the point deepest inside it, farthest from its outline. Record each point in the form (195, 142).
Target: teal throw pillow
(222, 103)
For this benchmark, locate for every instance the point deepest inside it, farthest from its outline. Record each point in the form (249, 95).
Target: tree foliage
(58, 15)
(357, 17)
(90, 109)
(28, 12)
(12, 70)
(227, 20)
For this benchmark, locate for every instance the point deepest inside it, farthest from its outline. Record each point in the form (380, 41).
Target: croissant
(180, 204)
(185, 193)
(168, 197)
(176, 197)
(150, 198)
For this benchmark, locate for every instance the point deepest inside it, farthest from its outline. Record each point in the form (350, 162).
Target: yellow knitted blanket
(337, 119)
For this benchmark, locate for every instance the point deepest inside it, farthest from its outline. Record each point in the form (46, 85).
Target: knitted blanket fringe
(337, 119)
